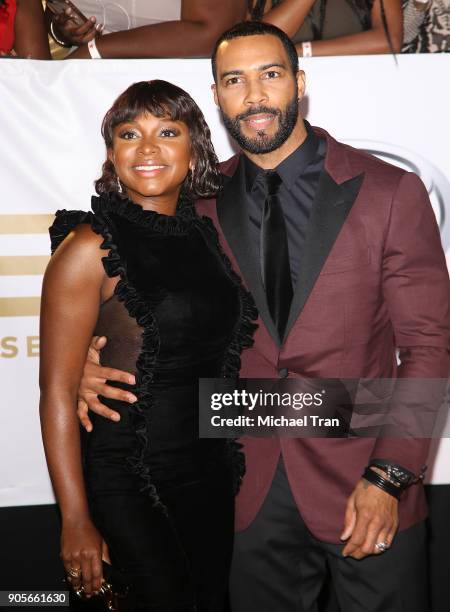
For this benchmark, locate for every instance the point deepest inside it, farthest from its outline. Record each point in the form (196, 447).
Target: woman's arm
(290, 15)
(71, 298)
(30, 33)
(202, 21)
(371, 41)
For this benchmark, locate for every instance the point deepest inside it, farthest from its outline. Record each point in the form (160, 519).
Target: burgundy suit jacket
(373, 279)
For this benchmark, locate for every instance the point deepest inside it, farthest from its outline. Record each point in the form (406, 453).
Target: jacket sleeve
(416, 289)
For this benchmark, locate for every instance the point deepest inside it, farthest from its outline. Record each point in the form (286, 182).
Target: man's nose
(256, 93)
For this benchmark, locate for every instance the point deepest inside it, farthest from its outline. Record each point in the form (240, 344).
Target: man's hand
(94, 384)
(371, 516)
(71, 32)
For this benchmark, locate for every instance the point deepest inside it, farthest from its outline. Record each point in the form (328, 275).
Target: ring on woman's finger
(74, 572)
(382, 546)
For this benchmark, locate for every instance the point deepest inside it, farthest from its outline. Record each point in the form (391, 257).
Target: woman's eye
(169, 132)
(128, 135)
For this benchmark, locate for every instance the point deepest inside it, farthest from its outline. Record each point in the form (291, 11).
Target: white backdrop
(51, 151)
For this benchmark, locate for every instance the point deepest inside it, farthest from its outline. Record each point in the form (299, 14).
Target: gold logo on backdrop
(9, 346)
(23, 265)
(25, 224)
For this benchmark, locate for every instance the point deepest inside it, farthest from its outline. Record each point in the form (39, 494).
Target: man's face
(257, 92)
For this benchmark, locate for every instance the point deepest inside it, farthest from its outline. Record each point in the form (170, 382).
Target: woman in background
(144, 270)
(22, 29)
(147, 28)
(335, 27)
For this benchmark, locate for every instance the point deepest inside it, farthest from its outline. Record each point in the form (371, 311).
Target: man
(342, 255)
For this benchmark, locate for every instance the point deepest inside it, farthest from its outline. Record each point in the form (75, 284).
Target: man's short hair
(257, 28)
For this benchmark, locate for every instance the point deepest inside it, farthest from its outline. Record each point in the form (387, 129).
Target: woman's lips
(148, 169)
(260, 122)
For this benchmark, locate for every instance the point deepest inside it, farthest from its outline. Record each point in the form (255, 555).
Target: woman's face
(152, 156)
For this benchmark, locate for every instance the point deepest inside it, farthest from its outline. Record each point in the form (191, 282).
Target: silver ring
(382, 546)
(74, 573)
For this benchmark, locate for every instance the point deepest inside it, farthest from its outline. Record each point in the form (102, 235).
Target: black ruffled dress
(162, 498)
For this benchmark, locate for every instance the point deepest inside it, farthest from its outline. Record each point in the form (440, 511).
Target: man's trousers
(279, 566)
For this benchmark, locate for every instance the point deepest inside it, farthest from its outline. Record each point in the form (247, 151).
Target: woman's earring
(191, 178)
(119, 185)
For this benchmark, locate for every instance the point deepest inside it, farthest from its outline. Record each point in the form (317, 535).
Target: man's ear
(214, 90)
(301, 83)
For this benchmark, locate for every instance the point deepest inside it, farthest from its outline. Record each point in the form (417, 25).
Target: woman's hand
(82, 551)
(73, 33)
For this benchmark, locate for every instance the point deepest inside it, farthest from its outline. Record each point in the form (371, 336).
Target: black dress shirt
(299, 175)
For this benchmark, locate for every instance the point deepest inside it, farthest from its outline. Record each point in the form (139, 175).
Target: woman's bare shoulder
(79, 254)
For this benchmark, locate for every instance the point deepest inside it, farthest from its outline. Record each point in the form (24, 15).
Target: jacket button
(283, 373)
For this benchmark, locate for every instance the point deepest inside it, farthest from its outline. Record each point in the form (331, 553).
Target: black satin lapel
(331, 207)
(232, 213)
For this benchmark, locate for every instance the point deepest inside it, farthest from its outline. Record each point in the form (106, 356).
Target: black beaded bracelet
(382, 483)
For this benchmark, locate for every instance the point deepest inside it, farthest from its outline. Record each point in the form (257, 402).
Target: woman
(144, 28)
(22, 29)
(335, 27)
(144, 270)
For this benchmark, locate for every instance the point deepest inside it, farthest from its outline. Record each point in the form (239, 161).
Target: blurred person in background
(139, 28)
(22, 29)
(432, 26)
(335, 27)
(415, 13)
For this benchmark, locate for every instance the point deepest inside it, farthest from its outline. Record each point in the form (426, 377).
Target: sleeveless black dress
(162, 498)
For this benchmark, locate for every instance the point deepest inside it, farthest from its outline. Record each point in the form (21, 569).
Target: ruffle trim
(66, 221)
(241, 339)
(245, 327)
(115, 204)
(142, 312)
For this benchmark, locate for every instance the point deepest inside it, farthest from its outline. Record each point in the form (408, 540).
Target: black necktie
(275, 268)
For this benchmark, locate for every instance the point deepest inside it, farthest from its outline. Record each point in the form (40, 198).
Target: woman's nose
(148, 145)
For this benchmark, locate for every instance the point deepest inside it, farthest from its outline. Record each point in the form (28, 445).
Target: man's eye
(271, 74)
(232, 81)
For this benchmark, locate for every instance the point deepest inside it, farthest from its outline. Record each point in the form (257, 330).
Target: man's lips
(261, 121)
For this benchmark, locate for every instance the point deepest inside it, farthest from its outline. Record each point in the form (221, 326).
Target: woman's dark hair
(257, 28)
(256, 8)
(163, 99)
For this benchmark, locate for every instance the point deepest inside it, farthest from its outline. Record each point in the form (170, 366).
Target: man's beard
(287, 120)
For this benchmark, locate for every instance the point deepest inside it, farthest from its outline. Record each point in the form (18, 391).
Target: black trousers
(279, 566)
